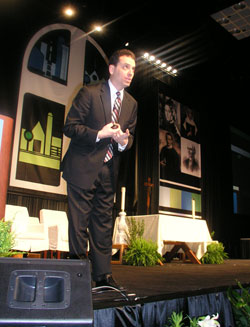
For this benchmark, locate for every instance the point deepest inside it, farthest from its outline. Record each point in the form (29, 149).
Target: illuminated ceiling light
(235, 19)
(126, 44)
(240, 5)
(69, 11)
(223, 20)
(235, 31)
(159, 64)
(98, 28)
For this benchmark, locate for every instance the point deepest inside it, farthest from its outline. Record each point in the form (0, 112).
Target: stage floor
(172, 280)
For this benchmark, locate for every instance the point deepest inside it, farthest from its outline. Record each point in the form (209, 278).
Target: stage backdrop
(179, 158)
(57, 61)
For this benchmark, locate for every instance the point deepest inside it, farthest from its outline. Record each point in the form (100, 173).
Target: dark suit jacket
(90, 111)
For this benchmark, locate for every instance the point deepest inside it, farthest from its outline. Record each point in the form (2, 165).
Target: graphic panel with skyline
(40, 145)
(50, 55)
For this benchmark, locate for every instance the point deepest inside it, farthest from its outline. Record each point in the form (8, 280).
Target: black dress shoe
(108, 281)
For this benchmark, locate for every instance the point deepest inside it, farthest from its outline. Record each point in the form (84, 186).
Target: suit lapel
(106, 101)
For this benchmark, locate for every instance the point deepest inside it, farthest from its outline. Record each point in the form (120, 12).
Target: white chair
(30, 235)
(56, 223)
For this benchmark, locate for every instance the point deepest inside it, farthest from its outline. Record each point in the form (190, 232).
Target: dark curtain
(156, 314)
(35, 201)
(217, 186)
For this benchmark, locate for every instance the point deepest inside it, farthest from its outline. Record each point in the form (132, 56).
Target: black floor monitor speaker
(45, 292)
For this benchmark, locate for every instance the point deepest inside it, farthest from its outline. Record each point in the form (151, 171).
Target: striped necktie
(115, 116)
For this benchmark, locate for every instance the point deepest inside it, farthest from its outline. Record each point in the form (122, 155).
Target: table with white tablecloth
(159, 228)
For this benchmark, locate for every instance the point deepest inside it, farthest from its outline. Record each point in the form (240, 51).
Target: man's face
(122, 74)
(168, 112)
(191, 153)
(169, 140)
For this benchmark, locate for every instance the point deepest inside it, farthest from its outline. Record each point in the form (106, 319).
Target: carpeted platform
(172, 280)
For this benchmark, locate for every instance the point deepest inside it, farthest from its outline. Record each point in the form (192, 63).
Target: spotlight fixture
(240, 5)
(223, 20)
(98, 28)
(235, 19)
(69, 11)
(159, 64)
(235, 31)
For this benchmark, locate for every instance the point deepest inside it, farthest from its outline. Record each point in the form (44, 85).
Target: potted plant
(215, 254)
(7, 240)
(140, 252)
(240, 301)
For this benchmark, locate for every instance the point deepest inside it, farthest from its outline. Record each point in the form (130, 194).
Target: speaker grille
(39, 289)
(45, 292)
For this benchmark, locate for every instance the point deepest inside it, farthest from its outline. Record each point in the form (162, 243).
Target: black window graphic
(95, 68)
(50, 56)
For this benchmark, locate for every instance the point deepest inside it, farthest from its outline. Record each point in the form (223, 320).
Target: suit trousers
(90, 218)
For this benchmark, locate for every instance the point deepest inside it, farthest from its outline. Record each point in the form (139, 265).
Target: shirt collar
(113, 90)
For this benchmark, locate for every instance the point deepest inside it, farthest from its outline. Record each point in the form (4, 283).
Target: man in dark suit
(90, 173)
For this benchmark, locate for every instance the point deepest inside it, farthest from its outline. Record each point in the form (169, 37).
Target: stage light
(98, 28)
(240, 5)
(235, 19)
(223, 20)
(236, 31)
(174, 71)
(159, 64)
(69, 11)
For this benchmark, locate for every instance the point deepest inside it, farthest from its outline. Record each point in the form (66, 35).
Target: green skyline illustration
(41, 148)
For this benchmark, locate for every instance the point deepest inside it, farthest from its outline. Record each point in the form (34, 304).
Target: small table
(172, 233)
(181, 245)
(121, 248)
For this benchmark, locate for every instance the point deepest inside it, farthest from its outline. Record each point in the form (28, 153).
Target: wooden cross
(149, 185)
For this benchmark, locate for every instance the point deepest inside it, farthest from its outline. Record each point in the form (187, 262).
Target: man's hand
(120, 137)
(109, 131)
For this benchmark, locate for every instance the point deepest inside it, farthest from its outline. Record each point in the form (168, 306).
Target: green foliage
(135, 229)
(193, 322)
(215, 254)
(142, 253)
(240, 305)
(7, 239)
(175, 320)
(212, 234)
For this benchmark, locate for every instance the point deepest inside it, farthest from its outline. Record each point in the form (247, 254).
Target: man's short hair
(114, 59)
(169, 134)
